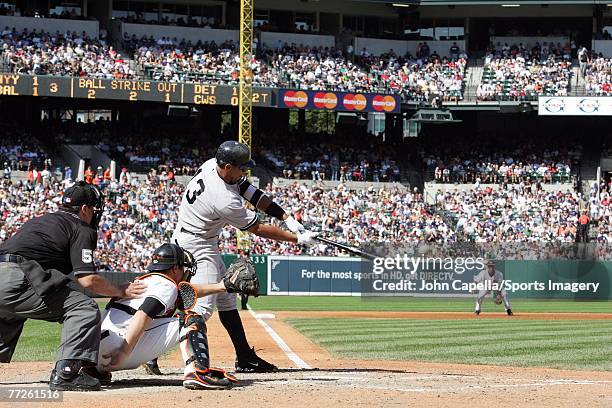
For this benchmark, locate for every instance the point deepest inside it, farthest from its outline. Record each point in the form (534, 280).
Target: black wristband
(275, 210)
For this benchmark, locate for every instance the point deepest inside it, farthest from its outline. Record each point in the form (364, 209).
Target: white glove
(306, 238)
(293, 225)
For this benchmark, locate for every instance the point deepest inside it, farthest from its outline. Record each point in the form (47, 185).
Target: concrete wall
(50, 25)
(603, 46)
(270, 39)
(189, 33)
(72, 153)
(347, 7)
(378, 46)
(479, 11)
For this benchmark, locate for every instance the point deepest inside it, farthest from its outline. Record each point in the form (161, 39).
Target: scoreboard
(192, 93)
(130, 90)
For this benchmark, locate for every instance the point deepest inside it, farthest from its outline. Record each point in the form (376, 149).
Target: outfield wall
(338, 276)
(349, 276)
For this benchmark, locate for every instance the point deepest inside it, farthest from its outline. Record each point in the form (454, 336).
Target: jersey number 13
(190, 195)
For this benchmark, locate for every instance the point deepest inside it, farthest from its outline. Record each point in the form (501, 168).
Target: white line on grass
(278, 339)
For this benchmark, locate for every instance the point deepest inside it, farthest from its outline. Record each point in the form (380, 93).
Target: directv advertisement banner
(339, 276)
(339, 101)
(312, 275)
(575, 105)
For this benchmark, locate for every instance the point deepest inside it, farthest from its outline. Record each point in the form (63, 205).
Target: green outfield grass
(39, 340)
(419, 304)
(570, 344)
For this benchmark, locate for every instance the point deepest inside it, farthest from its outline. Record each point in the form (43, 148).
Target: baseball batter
(495, 276)
(137, 330)
(213, 199)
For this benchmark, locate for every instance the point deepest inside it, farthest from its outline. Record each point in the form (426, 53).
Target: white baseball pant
(155, 341)
(483, 293)
(211, 269)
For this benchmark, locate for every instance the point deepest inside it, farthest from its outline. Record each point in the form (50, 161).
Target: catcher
(492, 274)
(137, 330)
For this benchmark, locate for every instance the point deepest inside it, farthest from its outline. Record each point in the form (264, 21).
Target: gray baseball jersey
(209, 203)
(497, 277)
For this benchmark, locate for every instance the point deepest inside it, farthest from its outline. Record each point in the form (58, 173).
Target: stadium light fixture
(511, 5)
(400, 5)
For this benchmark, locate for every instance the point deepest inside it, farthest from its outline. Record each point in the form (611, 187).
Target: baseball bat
(347, 248)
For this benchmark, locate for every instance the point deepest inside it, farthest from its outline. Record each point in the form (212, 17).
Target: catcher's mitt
(241, 277)
(496, 297)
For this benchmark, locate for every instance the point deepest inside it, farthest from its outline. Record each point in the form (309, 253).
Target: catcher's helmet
(168, 255)
(234, 153)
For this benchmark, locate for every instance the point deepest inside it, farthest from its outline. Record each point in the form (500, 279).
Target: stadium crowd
(163, 147)
(351, 161)
(68, 54)
(19, 149)
(418, 78)
(490, 160)
(598, 77)
(519, 72)
(140, 213)
(167, 59)
(421, 78)
(513, 214)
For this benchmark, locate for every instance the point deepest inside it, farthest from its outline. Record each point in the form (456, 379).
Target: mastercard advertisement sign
(339, 101)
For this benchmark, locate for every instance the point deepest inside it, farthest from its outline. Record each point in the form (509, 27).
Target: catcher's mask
(168, 255)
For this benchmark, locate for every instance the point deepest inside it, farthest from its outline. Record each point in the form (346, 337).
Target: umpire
(34, 284)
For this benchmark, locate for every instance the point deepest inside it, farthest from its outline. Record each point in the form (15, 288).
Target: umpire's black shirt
(59, 240)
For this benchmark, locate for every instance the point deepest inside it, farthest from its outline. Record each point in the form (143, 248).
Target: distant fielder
(495, 276)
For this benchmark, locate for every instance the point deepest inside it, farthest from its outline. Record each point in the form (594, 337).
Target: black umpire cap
(234, 153)
(82, 193)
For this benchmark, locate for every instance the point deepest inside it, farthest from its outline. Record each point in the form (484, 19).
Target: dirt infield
(338, 382)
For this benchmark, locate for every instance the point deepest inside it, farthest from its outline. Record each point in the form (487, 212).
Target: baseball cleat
(82, 382)
(209, 379)
(509, 312)
(103, 376)
(152, 368)
(476, 312)
(251, 363)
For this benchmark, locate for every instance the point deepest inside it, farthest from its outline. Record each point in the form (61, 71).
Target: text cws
(130, 90)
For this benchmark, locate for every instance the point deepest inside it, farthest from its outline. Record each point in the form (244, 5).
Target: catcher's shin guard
(194, 349)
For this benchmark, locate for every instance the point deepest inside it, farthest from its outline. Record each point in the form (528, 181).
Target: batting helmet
(168, 255)
(234, 153)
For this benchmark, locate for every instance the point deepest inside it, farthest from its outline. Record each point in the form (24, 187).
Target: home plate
(265, 316)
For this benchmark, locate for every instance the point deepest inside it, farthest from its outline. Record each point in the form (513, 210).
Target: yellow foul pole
(245, 103)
